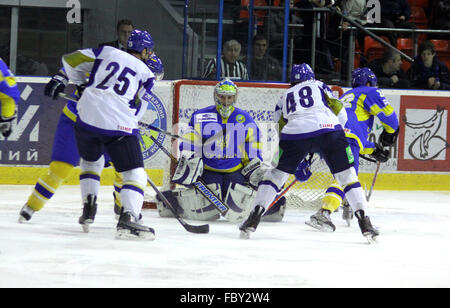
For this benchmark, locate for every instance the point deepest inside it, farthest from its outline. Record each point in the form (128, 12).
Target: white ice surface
(52, 251)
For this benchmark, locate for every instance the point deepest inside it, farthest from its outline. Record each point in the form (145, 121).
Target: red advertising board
(424, 133)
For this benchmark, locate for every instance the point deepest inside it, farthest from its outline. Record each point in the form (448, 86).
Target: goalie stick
(203, 189)
(188, 227)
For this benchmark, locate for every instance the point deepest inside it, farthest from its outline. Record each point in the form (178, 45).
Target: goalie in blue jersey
(225, 150)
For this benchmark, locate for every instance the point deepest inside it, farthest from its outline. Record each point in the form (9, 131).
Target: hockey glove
(303, 171)
(380, 154)
(6, 125)
(189, 168)
(56, 85)
(387, 139)
(253, 172)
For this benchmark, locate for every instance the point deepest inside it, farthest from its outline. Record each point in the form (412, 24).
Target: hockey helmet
(225, 88)
(140, 40)
(301, 72)
(362, 76)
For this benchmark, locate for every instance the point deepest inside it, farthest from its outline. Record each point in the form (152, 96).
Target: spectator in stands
(263, 66)
(124, 28)
(230, 65)
(427, 72)
(395, 14)
(389, 70)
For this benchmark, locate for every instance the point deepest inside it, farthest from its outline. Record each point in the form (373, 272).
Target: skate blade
(85, 228)
(125, 234)
(22, 219)
(244, 235)
(371, 239)
(323, 228)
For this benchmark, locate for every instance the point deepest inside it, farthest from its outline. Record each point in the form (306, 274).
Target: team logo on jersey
(156, 115)
(240, 118)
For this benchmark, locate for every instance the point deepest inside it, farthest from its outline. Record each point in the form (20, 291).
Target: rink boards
(420, 161)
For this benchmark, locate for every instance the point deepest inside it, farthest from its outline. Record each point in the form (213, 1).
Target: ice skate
(89, 211)
(25, 213)
(276, 212)
(128, 228)
(252, 222)
(321, 221)
(368, 231)
(117, 210)
(347, 213)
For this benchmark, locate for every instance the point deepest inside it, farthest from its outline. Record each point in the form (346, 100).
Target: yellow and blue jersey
(228, 144)
(362, 105)
(9, 92)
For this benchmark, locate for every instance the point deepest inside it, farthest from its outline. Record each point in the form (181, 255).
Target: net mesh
(309, 194)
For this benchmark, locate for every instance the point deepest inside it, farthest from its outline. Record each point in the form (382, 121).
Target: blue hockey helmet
(362, 76)
(155, 64)
(301, 72)
(139, 40)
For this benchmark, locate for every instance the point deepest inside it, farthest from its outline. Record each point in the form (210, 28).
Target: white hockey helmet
(225, 95)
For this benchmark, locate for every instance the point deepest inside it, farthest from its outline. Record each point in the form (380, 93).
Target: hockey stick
(202, 187)
(373, 181)
(188, 227)
(289, 186)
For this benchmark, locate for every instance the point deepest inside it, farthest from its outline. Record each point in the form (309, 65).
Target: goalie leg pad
(190, 204)
(240, 199)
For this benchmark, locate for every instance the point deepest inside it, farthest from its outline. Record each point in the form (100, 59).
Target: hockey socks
(47, 185)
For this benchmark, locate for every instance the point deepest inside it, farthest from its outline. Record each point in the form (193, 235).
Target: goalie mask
(225, 94)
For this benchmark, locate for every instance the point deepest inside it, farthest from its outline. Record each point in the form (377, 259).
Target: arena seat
(418, 17)
(442, 47)
(420, 3)
(373, 49)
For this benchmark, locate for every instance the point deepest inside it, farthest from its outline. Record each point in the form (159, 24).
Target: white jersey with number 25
(309, 109)
(112, 101)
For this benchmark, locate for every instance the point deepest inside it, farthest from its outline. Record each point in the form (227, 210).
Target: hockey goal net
(259, 100)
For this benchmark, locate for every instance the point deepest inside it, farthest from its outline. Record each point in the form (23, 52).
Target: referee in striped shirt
(230, 66)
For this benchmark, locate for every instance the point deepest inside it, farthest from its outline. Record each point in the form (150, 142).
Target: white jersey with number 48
(112, 102)
(309, 109)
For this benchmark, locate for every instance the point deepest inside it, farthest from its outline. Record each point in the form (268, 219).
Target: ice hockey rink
(52, 251)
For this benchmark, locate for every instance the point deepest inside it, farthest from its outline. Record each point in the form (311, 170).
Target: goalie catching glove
(303, 171)
(253, 172)
(189, 168)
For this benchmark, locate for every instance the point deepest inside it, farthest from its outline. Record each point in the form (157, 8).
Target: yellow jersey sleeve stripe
(76, 58)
